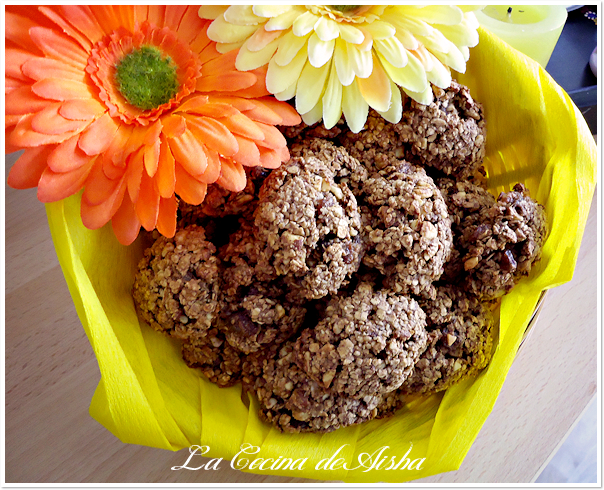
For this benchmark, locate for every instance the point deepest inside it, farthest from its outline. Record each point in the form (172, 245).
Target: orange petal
(23, 101)
(98, 215)
(99, 135)
(262, 113)
(222, 63)
(238, 103)
(194, 104)
(288, 114)
(243, 126)
(173, 16)
(151, 158)
(41, 68)
(189, 152)
(166, 219)
(147, 206)
(189, 188)
(213, 171)
(232, 176)
(81, 17)
(116, 150)
(58, 46)
(27, 170)
(248, 153)
(273, 138)
(53, 14)
(17, 30)
(49, 121)
(273, 158)
(56, 186)
(214, 110)
(173, 126)
(165, 176)
(190, 24)
(152, 133)
(67, 156)
(24, 136)
(155, 14)
(134, 174)
(58, 89)
(228, 82)
(136, 140)
(98, 187)
(81, 109)
(13, 62)
(214, 135)
(125, 223)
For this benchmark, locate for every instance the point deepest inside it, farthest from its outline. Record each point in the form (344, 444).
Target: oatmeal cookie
(447, 135)
(346, 169)
(406, 228)
(293, 402)
(367, 343)
(176, 288)
(497, 241)
(460, 341)
(223, 364)
(308, 226)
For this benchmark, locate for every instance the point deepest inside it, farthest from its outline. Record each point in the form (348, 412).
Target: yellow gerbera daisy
(346, 58)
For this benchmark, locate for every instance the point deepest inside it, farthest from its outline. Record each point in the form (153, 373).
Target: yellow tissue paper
(148, 396)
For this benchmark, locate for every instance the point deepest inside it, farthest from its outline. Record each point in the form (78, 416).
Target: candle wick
(509, 17)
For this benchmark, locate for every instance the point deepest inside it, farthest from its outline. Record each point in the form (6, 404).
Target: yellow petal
(260, 39)
(380, 29)
(242, 15)
(311, 85)
(250, 60)
(226, 47)
(343, 62)
(304, 23)
(332, 99)
(460, 34)
(411, 77)
(319, 52)
(314, 115)
(211, 11)
(361, 61)
(395, 112)
(351, 34)
(375, 89)
(434, 14)
(271, 10)
(407, 39)
(223, 32)
(283, 21)
(279, 78)
(426, 97)
(453, 57)
(288, 93)
(439, 75)
(327, 29)
(354, 107)
(393, 50)
(289, 47)
(416, 27)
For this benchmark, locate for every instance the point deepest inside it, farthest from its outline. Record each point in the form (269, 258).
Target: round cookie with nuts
(177, 285)
(308, 227)
(406, 228)
(366, 343)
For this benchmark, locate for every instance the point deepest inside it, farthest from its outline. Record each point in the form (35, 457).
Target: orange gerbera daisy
(134, 105)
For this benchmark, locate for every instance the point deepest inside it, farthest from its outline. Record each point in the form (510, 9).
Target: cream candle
(531, 29)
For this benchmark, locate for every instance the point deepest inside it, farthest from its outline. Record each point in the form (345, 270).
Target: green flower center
(345, 9)
(146, 79)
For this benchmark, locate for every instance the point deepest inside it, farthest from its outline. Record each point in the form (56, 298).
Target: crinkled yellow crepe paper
(148, 396)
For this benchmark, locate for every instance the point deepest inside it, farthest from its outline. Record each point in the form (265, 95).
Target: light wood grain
(51, 374)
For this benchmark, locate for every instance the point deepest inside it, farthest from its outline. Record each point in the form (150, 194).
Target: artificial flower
(134, 105)
(346, 58)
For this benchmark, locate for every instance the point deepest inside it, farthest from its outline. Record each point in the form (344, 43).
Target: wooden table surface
(51, 374)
